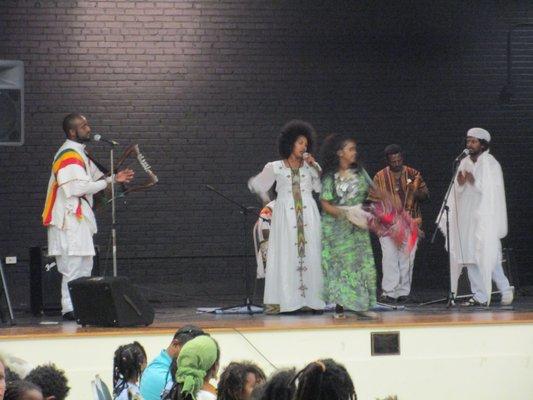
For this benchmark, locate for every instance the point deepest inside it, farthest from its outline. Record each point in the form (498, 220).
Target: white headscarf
(479, 133)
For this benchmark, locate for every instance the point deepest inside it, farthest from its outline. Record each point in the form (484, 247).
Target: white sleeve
(77, 188)
(261, 183)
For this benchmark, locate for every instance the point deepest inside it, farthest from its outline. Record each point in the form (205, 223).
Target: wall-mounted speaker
(11, 103)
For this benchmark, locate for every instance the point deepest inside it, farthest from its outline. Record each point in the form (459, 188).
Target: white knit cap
(479, 133)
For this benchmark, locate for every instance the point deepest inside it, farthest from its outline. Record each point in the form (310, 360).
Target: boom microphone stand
(245, 211)
(445, 211)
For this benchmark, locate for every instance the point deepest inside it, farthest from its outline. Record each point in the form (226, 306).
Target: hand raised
(124, 176)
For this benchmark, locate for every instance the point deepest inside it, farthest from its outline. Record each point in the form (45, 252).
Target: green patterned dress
(347, 257)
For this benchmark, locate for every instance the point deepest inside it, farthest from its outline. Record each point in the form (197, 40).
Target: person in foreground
(128, 365)
(198, 363)
(478, 221)
(324, 380)
(51, 380)
(158, 374)
(68, 214)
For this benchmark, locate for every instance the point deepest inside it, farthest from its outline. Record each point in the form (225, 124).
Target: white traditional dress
(68, 214)
(478, 221)
(293, 273)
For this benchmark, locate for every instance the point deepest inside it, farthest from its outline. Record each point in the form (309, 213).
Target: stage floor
(168, 319)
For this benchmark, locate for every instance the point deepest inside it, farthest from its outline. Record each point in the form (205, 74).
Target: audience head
(128, 364)
(239, 380)
(182, 336)
(51, 380)
(280, 386)
(2, 379)
(324, 380)
(11, 376)
(197, 363)
(23, 390)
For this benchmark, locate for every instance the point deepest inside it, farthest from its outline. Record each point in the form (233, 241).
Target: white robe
(68, 234)
(292, 281)
(69, 216)
(478, 220)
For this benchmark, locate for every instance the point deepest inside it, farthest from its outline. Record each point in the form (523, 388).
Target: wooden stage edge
(167, 324)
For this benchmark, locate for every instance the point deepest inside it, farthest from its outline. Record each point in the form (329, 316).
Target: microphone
(313, 164)
(100, 138)
(465, 153)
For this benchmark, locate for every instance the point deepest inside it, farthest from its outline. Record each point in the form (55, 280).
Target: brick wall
(204, 86)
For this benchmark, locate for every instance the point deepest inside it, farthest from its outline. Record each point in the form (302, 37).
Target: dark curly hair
(51, 380)
(15, 390)
(328, 152)
(290, 132)
(325, 380)
(127, 365)
(233, 380)
(280, 386)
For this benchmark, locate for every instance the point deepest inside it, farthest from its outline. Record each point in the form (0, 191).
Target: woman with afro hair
(293, 278)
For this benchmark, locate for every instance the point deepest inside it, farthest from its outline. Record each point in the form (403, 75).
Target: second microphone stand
(245, 211)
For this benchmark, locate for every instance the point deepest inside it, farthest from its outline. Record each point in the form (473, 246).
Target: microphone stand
(245, 211)
(445, 212)
(113, 212)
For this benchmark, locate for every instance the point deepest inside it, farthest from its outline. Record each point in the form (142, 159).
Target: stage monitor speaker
(45, 281)
(11, 103)
(108, 301)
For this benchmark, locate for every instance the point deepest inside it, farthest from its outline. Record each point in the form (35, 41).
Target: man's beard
(81, 139)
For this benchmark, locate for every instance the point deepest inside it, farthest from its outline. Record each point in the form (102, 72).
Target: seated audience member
(324, 380)
(23, 390)
(157, 375)
(197, 365)
(51, 380)
(2, 379)
(11, 376)
(128, 364)
(239, 380)
(280, 386)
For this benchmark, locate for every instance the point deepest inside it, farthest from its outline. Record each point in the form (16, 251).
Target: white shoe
(507, 297)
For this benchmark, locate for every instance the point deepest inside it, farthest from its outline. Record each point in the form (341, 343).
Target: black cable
(255, 348)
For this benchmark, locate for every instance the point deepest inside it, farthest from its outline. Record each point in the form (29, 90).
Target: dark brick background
(204, 86)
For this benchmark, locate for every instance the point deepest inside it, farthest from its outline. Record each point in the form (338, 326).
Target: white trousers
(477, 286)
(397, 267)
(72, 267)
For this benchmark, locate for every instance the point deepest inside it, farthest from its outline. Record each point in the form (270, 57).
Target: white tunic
(67, 233)
(293, 281)
(478, 219)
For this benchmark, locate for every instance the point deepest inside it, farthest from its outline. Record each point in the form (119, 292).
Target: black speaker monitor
(108, 301)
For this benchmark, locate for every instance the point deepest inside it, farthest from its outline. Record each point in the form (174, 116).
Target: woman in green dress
(347, 257)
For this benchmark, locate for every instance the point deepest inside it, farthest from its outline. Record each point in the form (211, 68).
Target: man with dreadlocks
(128, 365)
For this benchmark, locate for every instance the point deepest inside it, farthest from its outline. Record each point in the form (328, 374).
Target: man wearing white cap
(478, 221)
